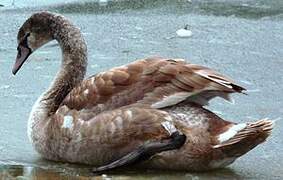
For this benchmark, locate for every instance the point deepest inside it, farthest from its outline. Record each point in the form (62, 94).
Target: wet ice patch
(246, 82)
(220, 113)
(4, 87)
(94, 66)
(253, 90)
(21, 96)
(102, 2)
(138, 28)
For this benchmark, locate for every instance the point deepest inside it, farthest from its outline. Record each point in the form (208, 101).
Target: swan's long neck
(71, 73)
(73, 67)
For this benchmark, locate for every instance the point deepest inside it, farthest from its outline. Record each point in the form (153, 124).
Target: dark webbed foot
(145, 151)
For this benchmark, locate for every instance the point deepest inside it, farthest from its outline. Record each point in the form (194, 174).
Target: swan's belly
(83, 152)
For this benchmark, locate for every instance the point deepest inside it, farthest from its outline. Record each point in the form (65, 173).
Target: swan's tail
(238, 139)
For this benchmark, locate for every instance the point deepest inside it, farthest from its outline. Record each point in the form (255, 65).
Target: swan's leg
(144, 152)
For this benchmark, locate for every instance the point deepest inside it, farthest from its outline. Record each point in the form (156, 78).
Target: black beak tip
(14, 71)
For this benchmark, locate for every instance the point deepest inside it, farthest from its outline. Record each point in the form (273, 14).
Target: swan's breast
(37, 113)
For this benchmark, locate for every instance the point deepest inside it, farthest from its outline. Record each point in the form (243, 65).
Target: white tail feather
(239, 132)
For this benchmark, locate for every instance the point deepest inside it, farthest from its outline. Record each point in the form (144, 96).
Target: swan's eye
(25, 40)
(19, 51)
(23, 43)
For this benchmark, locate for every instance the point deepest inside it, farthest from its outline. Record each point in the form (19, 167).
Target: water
(242, 39)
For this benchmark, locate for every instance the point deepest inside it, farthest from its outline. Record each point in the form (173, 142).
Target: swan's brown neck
(73, 67)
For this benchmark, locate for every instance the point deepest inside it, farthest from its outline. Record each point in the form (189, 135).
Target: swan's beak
(23, 54)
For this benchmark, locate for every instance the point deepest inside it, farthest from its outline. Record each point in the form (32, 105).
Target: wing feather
(151, 81)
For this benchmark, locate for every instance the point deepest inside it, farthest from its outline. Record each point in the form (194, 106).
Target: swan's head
(33, 34)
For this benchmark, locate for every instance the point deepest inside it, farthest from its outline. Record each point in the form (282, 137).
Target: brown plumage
(115, 113)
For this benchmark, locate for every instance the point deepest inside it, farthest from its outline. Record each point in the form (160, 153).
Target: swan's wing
(187, 82)
(154, 82)
(111, 135)
(109, 126)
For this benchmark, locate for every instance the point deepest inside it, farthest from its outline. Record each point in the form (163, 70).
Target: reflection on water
(29, 172)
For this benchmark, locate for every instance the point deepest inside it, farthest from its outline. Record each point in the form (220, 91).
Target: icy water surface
(242, 39)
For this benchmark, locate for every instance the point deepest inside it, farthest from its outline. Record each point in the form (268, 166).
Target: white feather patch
(171, 100)
(129, 113)
(169, 126)
(231, 132)
(68, 122)
(168, 118)
(112, 127)
(119, 122)
(86, 92)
